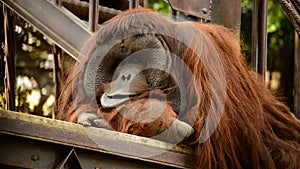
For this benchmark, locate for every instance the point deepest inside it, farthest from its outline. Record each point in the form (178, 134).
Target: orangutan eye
(122, 46)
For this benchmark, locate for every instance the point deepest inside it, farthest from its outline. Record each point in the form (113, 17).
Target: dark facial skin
(139, 68)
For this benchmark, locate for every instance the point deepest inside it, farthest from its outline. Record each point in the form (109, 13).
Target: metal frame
(211, 11)
(93, 15)
(66, 33)
(259, 37)
(36, 142)
(10, 68)
(297, 76)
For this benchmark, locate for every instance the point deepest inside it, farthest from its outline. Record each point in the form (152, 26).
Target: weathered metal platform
(29, 141)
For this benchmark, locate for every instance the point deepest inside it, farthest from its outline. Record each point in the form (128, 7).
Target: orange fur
(255, 130)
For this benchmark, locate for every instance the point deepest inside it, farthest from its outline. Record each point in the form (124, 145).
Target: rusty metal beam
(297, 77)
(93, 15)
(215, 11)
(57, 73)
(57, 53)
(81, 9)
(115, 148)
(134, 4)
(227, 13)
(52, 22)
(201, 9)
(20, 152)
(10, 65)
(259, 36)
(24, 152)
(145, 3)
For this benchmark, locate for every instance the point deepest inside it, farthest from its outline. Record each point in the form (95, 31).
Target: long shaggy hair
(255, 131)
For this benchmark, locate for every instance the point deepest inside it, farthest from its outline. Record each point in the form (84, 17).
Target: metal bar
(219, 12)
(52, 22)
(95, 139)
(93, 15)
(297, 77)
(134, 4)
(259, 36)
(145, 3)
(19, 152)
(180, 16)
(228, 14)
(81, 8)
(201, 9)
(71, 161)
(10, 66)
(175, 14)
(254, 51)
(262, 38)
(57, 56)
(57, 62)
(130, 4)
(57, 2)
(25, 152)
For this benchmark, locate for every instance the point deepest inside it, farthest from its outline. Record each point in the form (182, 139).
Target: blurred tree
(280, 48)
(160, 6)
(34, 84)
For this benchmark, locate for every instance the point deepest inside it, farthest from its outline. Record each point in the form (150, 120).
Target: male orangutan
(187, 83)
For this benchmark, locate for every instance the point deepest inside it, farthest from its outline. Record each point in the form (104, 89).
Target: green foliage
(280, 45)
(34, 62)
(160, 6)
(276, 15)
(247, 4)
(2, 100)
(279, 27)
